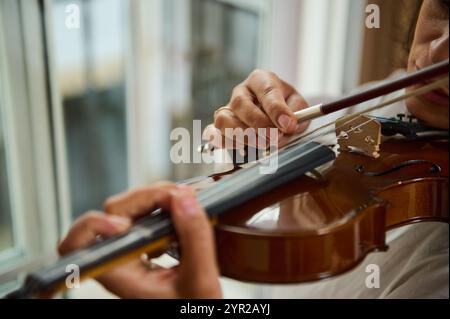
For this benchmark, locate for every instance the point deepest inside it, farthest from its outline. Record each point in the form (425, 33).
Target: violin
(323, 224)
(318, 215)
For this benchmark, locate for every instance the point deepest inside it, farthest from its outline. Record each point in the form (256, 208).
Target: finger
(296, 102)
(271, 95)
(246, 110)
(139, 201)
(236, 134)
(195, 235)
(214, 136)
(88, 227)
(225, 119)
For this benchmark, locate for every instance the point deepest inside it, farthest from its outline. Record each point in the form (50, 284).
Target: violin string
(331, 139)
(420, 91)
(424, 89)
(204, 199)
(416, 92)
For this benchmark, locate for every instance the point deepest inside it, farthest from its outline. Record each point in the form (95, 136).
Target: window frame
(56, 118)
(264, 9)
(322, 73)
(28, 140)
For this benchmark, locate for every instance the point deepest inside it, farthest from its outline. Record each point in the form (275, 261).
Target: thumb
(195, 234)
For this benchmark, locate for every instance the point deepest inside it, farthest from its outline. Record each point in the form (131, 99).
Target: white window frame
(264, 10)
(61, 164)
(28, 139)
(331, 35)
(284, 39)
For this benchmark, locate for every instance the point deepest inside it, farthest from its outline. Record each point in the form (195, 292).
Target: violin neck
(155, 232)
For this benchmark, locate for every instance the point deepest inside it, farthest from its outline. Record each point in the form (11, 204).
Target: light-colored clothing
(415, 266)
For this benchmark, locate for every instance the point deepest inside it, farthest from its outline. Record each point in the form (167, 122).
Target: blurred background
(91, 89)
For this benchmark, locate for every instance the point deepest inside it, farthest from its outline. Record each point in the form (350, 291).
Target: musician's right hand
(263, 100)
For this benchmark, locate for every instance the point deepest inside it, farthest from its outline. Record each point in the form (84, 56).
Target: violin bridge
(359, 133)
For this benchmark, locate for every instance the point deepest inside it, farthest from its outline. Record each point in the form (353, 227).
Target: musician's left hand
(197, 276)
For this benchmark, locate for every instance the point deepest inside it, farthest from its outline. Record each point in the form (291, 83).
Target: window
(11, 242)
(225, 51)
(29, 223)
(90, 76)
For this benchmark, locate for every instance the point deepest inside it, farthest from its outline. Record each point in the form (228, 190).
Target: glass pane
(6, 230)
(91, 76)
(225, 41)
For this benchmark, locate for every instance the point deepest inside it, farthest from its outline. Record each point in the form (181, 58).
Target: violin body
(325, 223)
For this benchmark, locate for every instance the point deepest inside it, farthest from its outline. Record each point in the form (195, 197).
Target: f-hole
(434, 168)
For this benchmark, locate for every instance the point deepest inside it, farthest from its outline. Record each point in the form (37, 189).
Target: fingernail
(189, 205)
(287, 123)
(120, 221)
